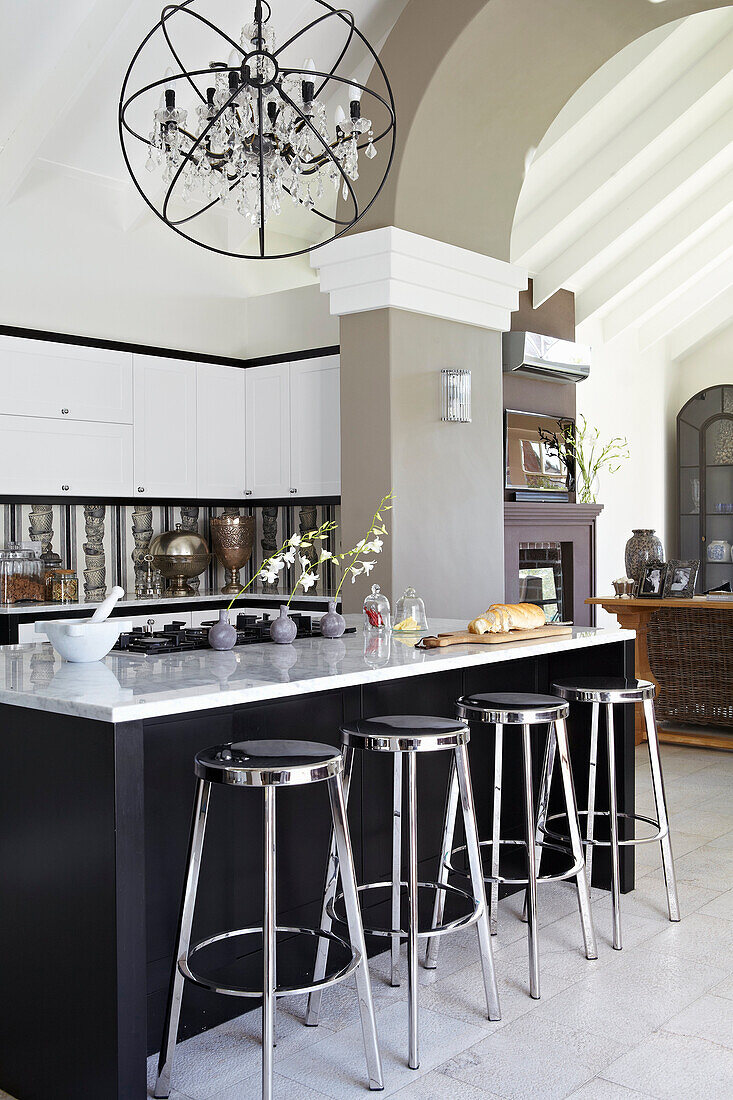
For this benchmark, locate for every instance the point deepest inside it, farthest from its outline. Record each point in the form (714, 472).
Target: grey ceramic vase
(643, 546)
(283, 630)
(332, 624)
(222, 635)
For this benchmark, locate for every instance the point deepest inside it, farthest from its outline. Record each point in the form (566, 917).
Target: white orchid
(368, 566)
(274, 565)
(277, 563)
(268, 574)
(324, 556)
(307, 580)
(295, 540)
(304, 561)
(373, 547)
(289, 556)
(372, 543)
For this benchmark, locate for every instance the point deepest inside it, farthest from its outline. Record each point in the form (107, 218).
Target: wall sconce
(455, 388)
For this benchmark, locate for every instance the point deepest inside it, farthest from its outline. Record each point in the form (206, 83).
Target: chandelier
(254, 133)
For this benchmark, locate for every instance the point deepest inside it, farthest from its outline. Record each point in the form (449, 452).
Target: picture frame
(652, 581)
(679, 581)
(536, 461)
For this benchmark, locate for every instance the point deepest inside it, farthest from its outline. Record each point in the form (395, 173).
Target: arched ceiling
(628, 198)
(478, 84)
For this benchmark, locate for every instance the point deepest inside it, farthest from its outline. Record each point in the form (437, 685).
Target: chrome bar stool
(523, 710)
(269, 765)
(609, 691)
(405, 736)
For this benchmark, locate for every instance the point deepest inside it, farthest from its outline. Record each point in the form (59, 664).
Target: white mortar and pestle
(88, 639)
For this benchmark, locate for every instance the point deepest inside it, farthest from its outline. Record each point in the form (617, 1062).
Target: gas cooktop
(176, 637)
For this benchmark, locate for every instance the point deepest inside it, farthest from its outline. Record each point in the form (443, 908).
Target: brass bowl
(232, 539)
(180, 555)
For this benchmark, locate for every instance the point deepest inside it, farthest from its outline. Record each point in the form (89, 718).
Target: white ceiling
(628, 200)
(66, 201)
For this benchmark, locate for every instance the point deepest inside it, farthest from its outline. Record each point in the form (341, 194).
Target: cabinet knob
(65, 488)
(248, 492)
(293, 491)
(141, 489)
(64, 412)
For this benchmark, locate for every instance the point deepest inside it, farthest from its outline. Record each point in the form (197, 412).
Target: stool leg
(590, 816)
(660, 800)
(412, 956)
(269, 938)
(183, 938)
(543, 804)
(336, 794)
(396, 864)
(449, 826)
(329, 891)
(534, 959)
(576, 842)
(496, 829)
(613, 818)
(477, 881)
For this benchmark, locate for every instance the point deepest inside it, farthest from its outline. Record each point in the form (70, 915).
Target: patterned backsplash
(103, 543)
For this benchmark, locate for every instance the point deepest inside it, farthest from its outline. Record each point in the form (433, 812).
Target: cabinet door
(267, 438)
(315, 426)
(40, 378)
(44, 457)
(165, 427)
(220, 416)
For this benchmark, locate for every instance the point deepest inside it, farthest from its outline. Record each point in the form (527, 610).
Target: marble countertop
(126, 687)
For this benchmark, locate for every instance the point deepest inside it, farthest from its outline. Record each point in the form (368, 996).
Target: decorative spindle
(190, 522)
(142, 533)
(95, 573)
(268, 542)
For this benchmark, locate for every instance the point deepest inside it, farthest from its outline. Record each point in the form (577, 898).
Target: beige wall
(292, 320)
(447, 524)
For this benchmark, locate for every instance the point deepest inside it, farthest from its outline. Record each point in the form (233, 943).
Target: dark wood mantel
(548, 521)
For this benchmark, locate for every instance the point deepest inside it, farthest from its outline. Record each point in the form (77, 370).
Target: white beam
(695, 219)
(653, 201)
(716, 315)
(63, 86)
(694, 299)
(670, 280)
(391, 268)
(637, 150)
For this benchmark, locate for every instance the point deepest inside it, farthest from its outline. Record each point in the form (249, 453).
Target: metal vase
(232, 539)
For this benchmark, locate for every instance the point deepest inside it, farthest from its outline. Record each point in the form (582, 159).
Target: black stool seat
(405, 733)
(604, 689)
(268, 763)
(512, 708)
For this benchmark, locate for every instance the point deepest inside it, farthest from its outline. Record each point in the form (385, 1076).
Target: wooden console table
(636, 615)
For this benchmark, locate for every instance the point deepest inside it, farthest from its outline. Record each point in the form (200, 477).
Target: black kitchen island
(96, 787)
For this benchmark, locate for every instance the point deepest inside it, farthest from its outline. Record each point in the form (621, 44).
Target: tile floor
(653, 1021)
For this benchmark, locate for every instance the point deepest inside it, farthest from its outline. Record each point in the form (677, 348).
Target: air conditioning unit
(528, 353)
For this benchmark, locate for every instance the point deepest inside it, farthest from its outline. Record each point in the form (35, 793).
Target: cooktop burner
(176, 637)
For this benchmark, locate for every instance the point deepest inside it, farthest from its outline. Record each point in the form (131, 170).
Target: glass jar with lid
(21, 575)
(410, 615)
(377, 617)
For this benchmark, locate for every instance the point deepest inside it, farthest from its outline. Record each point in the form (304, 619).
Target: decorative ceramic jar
(283, 630)
(332, 624)
(643, 547)
(222, 635)
(719, 550)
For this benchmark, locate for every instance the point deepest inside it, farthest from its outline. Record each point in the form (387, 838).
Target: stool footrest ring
(464, 921)
(560, 876)
(660, 834)
(184, 963)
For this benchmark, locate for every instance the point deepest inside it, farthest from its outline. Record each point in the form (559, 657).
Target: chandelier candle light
(255, 132)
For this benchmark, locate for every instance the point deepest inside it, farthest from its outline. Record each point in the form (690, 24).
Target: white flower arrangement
(351, 563)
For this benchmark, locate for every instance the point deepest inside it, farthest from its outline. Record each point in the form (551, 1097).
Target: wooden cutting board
(462, 637)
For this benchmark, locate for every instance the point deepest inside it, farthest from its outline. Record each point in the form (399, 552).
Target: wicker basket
(691, 657)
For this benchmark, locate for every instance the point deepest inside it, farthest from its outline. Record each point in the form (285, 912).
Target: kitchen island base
(94, 824)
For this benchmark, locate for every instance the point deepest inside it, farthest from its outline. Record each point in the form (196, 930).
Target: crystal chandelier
(255, 134)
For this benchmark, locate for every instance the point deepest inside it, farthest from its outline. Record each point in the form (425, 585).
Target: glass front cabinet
(705, 464)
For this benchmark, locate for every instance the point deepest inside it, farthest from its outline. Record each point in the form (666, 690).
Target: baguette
(518, 616)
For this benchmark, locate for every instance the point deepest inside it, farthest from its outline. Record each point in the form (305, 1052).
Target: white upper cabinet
(40, 456)
(165, 427)
(65, 381)
(220, 435)
(315, 436)
(267, 436)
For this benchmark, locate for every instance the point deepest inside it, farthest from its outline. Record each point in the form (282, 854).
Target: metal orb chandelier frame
(254, 84)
